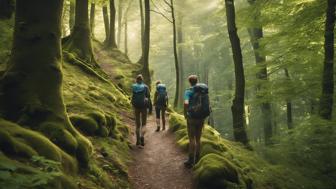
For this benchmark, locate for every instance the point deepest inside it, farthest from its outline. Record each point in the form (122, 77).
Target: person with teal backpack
(196, 110)
(141, 102)
(161, 104)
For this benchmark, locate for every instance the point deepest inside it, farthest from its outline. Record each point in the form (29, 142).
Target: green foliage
(6, 30)
(307, 148)
(43, 173)
(226, 164)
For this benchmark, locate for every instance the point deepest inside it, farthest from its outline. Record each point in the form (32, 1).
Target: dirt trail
(160, 164)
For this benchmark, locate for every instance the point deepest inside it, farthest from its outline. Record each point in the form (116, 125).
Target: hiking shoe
(142, 141)
(189, 163)
(137, 143)
(157, 129)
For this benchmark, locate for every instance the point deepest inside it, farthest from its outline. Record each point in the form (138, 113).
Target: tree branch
(164, 16)
(168, 3)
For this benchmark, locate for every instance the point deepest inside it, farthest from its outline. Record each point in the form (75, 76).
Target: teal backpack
(162, 95)
(139, 99)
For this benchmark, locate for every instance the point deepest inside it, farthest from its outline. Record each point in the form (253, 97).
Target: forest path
(160, 164)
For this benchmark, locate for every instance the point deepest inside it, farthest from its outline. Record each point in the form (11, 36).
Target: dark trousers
(140, 122)
(161, 112)
(195, 127)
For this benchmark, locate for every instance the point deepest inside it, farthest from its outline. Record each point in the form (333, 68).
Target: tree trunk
(72, 11)
(120, 17)
(180, 58)
(256, 34)
(237, 107)
(106, 23)
(80, 39)
(177, 67)
(111, 40)
(289, 106)
(92, 18)
(145, 71)
(64, 31)
(326, 100)
(7, 8)
(126, 35)
(31, 89)
(142, 32)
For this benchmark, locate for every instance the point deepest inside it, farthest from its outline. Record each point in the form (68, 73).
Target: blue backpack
(162, 95)
(139, 99)
(199, 104)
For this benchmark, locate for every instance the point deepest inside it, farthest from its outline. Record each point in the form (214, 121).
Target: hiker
(141, 102)
(160, 103)
(196, 109)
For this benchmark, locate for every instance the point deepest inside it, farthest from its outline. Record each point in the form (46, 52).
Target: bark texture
(237, 107)
(176, 59)
(145, 70)
(106, 22)
(326, 100)
(92, 17)
(31, 88)
(79, 41)
(6, 9)
(111, 39)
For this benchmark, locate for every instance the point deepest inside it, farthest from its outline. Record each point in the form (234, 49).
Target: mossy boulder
(214, 171)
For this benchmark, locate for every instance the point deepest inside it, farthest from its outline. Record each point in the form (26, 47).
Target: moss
(59, 136)
(215, 171)
(99, 117)
(85, 124)
(11, 146)
(28, 142)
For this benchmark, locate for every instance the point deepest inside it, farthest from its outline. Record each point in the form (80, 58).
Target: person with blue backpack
(161, 104)
(196, 110)
(141, 101)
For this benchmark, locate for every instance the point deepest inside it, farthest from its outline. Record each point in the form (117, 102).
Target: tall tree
(126, 25)
(72, 11)
(289, 106)
(80, 39)
(92, 17)
(256, 33)
(237, 107)
(106, 22)
(180, 41)
(142, 31)
(111, 40)
(120, 18)
(326, 100)
(145, 69)
(176, 57)
(31, 88)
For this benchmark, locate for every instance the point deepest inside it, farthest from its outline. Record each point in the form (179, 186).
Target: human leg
(198, 133)
(191, 135)
(163, 115)
(143, 126)
(157, 112)
(137, 125)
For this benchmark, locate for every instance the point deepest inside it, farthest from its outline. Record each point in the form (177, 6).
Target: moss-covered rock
(214, 171)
